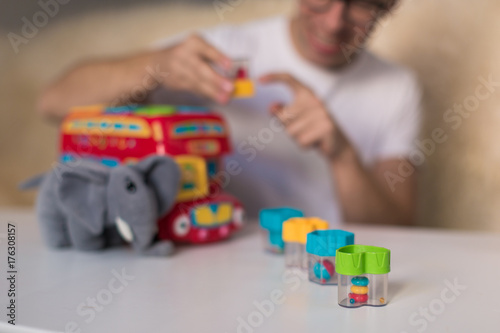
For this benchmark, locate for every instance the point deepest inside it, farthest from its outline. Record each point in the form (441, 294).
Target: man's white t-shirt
(376, 104)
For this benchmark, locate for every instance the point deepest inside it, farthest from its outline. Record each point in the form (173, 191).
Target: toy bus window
(211, 215)
(225, 212)
(217, 129)
(67, 158)
(111, 126)
(211, 167)
(188, 176)
(110, 162)
(194, 180)
(190, 129)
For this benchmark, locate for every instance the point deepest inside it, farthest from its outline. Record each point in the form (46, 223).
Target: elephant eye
(130, 186)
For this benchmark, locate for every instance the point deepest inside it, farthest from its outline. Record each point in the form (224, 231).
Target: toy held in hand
(90, 206)
(239, 74)
(243, 86)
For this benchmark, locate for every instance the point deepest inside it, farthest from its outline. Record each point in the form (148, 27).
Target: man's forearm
(96, 82)
(186, 66)
(362, 196)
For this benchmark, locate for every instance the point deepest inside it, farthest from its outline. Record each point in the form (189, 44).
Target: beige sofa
(450, 44)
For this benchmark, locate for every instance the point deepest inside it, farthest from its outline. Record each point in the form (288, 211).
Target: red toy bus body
(193, 136)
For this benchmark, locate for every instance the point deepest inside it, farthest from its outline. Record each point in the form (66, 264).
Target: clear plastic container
(272, 241)
(271, 222)
(295, 232)
(363, 275)
(322, 269)
(321, 247)
(295, 255)
(366, 289)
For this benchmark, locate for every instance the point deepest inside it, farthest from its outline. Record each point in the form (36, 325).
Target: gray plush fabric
(88, 206)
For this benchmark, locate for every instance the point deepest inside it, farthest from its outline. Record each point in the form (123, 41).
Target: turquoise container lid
(325, 243)
(273, 218)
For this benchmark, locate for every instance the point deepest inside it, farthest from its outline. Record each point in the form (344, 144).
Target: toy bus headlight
(181, 225)
(238, 216)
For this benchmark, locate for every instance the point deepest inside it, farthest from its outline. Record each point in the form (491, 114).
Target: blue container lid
(273, 218)
(325, 243)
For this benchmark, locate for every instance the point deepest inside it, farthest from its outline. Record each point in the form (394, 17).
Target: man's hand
(363, 192)
(307, 120)
(186, 66)
(190, 68)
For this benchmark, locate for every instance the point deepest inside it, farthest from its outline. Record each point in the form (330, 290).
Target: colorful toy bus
(195, 137)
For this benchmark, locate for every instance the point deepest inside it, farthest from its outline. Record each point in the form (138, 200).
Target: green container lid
(362, 259)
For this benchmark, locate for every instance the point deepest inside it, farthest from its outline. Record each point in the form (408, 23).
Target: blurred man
(330, 125)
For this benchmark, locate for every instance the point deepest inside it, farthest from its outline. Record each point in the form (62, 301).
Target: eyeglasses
(358, 11)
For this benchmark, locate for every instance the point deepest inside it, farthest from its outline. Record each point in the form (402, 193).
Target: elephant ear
(82, 192)
(162, 174)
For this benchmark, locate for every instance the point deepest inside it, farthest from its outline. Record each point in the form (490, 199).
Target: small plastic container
(321, 249)
(363, 275)
(295, 232)
(271, 222)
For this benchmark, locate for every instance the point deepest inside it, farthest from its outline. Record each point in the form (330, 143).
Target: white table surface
(213, 288)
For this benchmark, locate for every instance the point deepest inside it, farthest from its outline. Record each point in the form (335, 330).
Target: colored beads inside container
(359, 290)
(324, 271)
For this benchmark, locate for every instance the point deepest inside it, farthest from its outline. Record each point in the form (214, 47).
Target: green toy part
(362, 259)
(156, 110)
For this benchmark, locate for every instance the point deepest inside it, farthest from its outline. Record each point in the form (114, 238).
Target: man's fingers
(189, 80)
(313, 135)
(276, 108)
(284, 113)
(309, 139)
(302, 125)
(285, 78)
(208, 75)
(210, 53)
(213, 93)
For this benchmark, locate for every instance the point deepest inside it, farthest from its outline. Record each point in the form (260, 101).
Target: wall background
(448, 43)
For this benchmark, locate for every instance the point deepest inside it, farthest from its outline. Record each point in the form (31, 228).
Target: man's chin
(336, 61)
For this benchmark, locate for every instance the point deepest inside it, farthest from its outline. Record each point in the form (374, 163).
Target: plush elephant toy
(90, 206)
